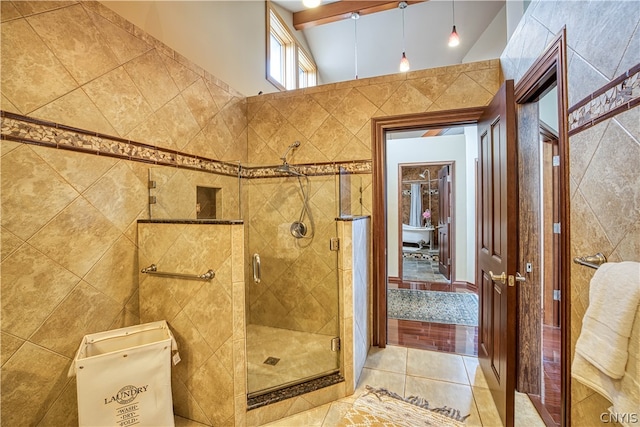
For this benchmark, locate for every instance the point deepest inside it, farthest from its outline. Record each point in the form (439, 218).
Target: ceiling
(379, 37)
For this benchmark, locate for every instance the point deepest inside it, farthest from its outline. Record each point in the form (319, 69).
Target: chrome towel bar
(593, 261)
(153, 269)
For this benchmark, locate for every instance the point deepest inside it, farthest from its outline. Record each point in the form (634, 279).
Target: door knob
(502, 278)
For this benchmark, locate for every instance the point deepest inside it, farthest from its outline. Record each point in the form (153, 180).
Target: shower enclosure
(291, 277)
(291, 271)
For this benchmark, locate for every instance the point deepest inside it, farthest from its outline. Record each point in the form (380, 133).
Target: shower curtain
(415, 214)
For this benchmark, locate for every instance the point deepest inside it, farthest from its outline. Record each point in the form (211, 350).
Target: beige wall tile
(200, 102)
(77, 237)
(184, 126)
(116, 273)
(119, 100)
(27, 8)
(184, 404)
(153, 131)
(84, 311)
(217, 402)
(354, 111)
(8, 11)
(119, 195)
(7, 105)
(34, 372)
(32, 286)
(79, 170)
(607, 186)
(26, 64)
(182, 76)
(124, 45)
(10, 242)
(76, 42)
(75, 109)
(10, 345)
(406, 99)
(194, 350)
(63, 412)
(152, 79)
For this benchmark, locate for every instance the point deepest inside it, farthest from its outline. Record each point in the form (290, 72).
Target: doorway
(431, 298)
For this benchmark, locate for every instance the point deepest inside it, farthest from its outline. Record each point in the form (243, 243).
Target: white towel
(614, 295)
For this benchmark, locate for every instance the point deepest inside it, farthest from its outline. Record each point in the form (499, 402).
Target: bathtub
(417, 235)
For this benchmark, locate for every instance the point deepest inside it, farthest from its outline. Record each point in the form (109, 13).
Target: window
(289, 66)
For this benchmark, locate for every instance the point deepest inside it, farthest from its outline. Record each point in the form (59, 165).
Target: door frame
(549, 67)
(379, 128)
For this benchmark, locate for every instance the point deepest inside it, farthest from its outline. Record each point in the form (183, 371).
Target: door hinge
(334, 244)
(556, 294)
(556, 228)
(448, 261)
(335, 344)
(152, 200)
(152, 184)
(555, 161)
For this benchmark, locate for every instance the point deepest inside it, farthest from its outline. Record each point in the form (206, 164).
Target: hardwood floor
(457, 339)
(551, 371)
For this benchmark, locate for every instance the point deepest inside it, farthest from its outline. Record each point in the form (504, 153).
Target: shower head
(423, 175)
(291, 147)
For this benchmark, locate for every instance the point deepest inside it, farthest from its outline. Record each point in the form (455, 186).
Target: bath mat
(380, 407)
(451, 308)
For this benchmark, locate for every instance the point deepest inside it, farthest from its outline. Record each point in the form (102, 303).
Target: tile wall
(605, 179)
(207, 318)
(298, 288)
(69, 233)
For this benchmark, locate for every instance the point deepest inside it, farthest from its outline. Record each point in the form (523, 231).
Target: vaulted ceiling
(331, 34)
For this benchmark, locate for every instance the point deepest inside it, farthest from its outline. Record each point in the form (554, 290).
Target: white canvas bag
(124, 376)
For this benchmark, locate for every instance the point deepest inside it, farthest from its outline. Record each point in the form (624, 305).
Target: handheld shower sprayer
(291, 147)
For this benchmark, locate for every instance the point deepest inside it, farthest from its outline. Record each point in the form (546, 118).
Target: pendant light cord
(355, 16)
(403, 6)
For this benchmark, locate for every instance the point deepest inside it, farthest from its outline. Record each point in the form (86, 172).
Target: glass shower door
(292, 280)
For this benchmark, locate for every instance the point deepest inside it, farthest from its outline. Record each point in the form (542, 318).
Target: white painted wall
(236, 42)
(459, 150)
(492, 41)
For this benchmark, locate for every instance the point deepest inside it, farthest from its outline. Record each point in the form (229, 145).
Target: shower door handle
(256, 268)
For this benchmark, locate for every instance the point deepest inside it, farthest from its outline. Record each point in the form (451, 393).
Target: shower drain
(271, 361)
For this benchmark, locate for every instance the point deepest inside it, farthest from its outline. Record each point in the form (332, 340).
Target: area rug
(451, 308)
(381, 408)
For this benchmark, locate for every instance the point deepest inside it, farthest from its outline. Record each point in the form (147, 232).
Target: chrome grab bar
(593, 261)
(257, 273)
(153, 269)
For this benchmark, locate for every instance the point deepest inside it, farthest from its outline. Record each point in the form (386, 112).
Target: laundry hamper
(124, 376)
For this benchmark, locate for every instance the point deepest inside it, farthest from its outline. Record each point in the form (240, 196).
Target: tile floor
(441, 378)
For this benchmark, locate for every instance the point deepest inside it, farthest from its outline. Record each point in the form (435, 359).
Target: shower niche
(207, 200)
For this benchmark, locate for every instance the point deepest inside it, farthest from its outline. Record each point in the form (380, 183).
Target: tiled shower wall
(605, 179)
(69, 239)
(299, 288)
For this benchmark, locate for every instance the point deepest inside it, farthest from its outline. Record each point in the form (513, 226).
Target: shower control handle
(256, 268)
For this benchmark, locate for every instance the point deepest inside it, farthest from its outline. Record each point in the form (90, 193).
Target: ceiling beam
(336, 11)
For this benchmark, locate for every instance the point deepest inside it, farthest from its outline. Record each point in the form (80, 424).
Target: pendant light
(454, 39)
(355, 16)
(404, 62)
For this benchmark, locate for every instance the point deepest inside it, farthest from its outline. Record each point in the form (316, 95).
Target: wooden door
(444, 222)
(497, 249)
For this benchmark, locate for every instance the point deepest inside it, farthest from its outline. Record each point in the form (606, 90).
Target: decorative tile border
(27, 130)
(619, 95)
